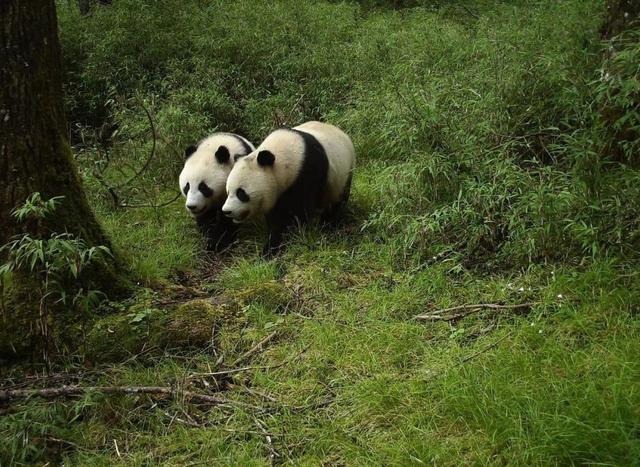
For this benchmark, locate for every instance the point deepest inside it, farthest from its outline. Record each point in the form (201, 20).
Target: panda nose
(227, 213)
(192, 207)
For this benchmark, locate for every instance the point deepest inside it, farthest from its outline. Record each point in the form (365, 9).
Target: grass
(485, 174)
(555, 385)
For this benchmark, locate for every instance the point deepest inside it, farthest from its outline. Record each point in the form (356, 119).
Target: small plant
(55, 264)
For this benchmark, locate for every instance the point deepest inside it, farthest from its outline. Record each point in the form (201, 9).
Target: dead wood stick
(247, 368)
(239, 370)
(436, 373)
(272, 451)
(255, 392)
(485, 349)
(67, 391)
(254, 349)
(470, 309)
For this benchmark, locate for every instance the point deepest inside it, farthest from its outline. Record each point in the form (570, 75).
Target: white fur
(202, 166)
(264, 185)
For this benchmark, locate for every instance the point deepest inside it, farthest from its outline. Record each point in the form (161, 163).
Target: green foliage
(618, 95)
(53, 264)
(56, 261)
(477, 121)
(35, 207)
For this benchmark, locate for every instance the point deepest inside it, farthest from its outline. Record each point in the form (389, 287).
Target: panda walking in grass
(203, 184)
(293, 174)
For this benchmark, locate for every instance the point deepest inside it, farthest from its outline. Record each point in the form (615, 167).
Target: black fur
(205, 190)
(266, 158)
(222, 155)
(245, 145)
(331, 215)
(190, 150)
(302, 198)
(242, 195)
(218, 230)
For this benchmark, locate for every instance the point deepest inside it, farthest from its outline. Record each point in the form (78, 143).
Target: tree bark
(620, 15)
(35, 155)
(85, 5)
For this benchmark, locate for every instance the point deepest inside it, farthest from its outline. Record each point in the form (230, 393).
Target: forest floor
(415, 332)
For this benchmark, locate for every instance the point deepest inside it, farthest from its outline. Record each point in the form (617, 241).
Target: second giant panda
(203, 184)
(291, 175)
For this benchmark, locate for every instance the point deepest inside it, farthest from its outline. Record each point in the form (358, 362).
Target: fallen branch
(248, 368)
(153, 148)
(255, 348)
(272, 451)
(471, 13)
(437, 315)
(69, 391)
(149, 205)
(485, 349)
(433, 374)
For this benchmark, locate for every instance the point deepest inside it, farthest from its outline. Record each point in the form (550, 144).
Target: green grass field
(484, 176)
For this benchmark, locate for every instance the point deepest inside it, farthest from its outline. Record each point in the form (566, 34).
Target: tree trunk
(619, 123)
(85, 5)
(35, 155)
(620, 15)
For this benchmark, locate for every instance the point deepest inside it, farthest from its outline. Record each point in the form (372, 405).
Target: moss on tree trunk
(35, 155)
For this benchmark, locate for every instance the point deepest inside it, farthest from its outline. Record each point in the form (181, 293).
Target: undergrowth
(496, 163)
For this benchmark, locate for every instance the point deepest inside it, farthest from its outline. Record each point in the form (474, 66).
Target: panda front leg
(276, 225)
(223, 234)
(292, 210)
(218, 230)
(331, 215)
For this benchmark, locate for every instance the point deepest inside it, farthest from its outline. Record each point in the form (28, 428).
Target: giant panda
(203, 184)
(291, 175)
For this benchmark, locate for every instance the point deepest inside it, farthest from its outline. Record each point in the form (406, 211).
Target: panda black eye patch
(185, 190)
(205, 190)
(242, 195)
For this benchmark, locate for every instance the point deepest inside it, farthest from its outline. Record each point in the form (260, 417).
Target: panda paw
(270, 251)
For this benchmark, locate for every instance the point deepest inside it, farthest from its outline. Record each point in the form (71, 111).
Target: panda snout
(227, 213)
(192, 207)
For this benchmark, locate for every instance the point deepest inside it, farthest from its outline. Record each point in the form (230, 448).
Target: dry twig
(255, 348)
(248, 368)
(69, 391)
(272, 451)
(485, 349)
(439, 315)
(149, 205)
(153, 148)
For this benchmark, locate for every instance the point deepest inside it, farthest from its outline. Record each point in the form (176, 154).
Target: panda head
(204, 176)
(252, 188)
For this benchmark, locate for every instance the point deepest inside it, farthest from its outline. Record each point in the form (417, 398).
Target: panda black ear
(266, 158)
(222, 155)
(190, 150)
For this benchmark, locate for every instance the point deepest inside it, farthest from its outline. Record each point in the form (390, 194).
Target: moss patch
(118, 337)
(192, 325)
(272, 294)
(196, 323)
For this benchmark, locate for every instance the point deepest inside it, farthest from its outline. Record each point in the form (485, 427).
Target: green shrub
(44, 278)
